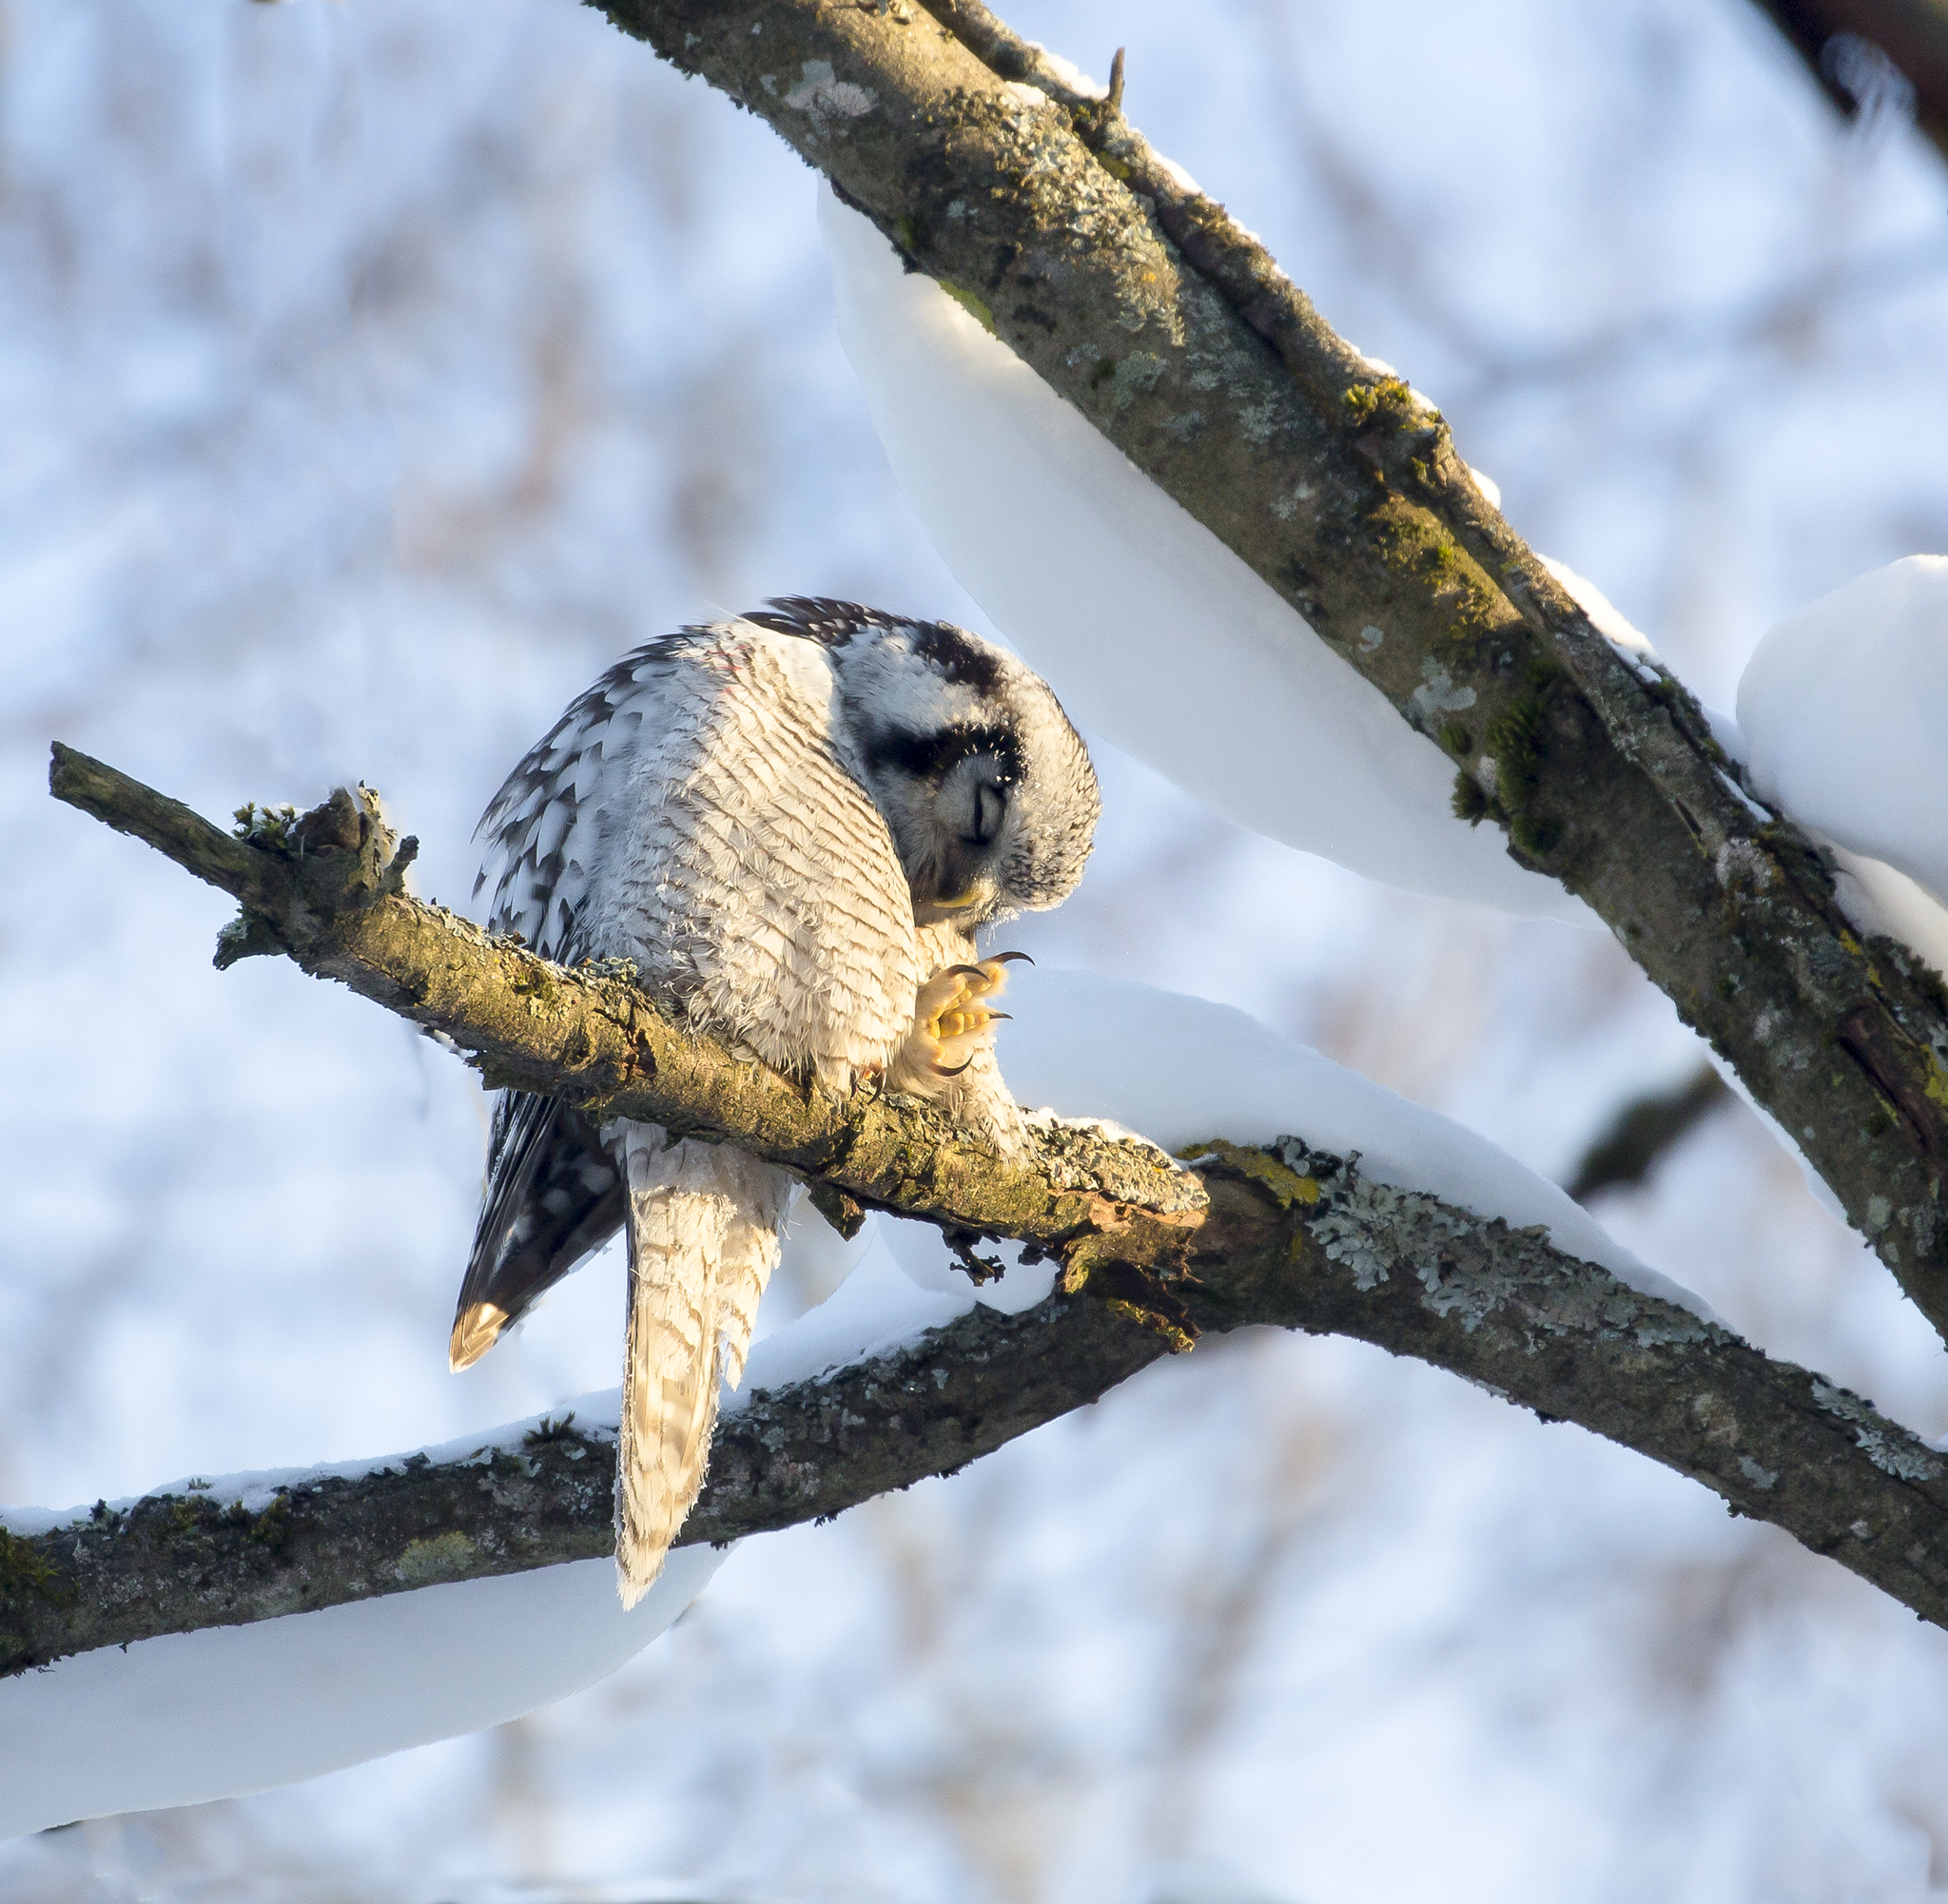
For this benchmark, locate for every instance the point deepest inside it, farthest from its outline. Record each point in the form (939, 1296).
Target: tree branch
(320, 889)
(1294, 1239)
(1912, 35)
(1143, 304)
(1286, 1236)
(1089, 260)
(1642, 1131)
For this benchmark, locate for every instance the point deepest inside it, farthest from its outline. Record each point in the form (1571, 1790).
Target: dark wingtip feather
(553, 1197)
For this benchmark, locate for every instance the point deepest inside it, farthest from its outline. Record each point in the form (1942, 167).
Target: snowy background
(371, 375)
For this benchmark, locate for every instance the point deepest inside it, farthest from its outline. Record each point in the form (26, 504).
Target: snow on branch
(990, 168)
(1289, 1234)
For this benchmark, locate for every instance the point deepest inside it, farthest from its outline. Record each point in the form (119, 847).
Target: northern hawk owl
(791, 822)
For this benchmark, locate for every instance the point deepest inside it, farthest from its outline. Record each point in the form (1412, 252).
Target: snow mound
(235, 1709)
(1842, 712)
(193, 1716)
(1182, 1070)
(1152, 631)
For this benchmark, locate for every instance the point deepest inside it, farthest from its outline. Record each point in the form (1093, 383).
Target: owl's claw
(952, 1017)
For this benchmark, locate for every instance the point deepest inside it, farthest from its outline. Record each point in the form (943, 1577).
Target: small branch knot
(340, 857)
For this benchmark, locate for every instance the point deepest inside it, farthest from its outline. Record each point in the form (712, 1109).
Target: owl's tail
(703, 1239)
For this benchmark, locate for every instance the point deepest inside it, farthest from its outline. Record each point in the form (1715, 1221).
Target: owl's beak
(959, 902)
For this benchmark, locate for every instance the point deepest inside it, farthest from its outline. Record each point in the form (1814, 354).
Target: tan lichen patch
(444, 1557)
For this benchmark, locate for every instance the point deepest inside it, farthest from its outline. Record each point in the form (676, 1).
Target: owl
(792, 822)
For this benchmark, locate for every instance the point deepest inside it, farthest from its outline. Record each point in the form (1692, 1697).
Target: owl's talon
(952, 1020)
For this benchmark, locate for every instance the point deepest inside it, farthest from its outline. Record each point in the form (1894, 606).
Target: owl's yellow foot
(953, 1015)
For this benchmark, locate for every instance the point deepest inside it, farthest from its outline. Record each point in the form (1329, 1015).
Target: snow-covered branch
(1033, 202)
(1296, 1239)
(1291, 1235)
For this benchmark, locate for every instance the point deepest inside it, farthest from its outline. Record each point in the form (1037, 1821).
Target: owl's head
(984, 785)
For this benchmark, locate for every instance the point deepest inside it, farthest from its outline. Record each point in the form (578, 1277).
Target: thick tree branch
(1288, 1236)
(1294, 1239)
(321, 888)
(1143, 304)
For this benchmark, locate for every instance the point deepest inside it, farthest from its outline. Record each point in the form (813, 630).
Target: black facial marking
(935, 755)
(956, 655)
(990, 808)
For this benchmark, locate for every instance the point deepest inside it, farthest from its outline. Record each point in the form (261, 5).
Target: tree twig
(1643, 1130)
(1911, 33)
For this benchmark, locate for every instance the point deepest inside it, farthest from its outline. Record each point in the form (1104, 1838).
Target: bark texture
(1294, 1239)
(1143, 304)
(1238, 1236)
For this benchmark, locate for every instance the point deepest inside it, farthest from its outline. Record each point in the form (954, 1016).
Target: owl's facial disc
(956, 873)
(984, 784)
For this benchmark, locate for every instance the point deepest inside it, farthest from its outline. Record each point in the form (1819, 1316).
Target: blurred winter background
(371, 375)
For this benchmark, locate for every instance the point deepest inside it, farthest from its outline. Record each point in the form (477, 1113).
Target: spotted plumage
(791, 822)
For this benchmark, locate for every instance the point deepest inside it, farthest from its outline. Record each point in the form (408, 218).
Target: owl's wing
(701, 811)
(553, 1197)
(553, 1193)
(544, 828)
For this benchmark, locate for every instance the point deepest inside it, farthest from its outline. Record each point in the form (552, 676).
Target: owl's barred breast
(747, 871)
